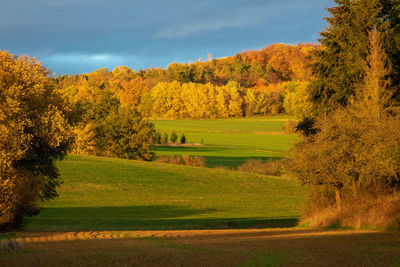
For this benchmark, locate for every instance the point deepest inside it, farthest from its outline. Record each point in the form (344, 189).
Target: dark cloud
(75, 36)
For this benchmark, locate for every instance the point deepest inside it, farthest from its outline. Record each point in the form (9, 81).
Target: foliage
(164, 139)
(125, 134)
(105, 114)
(298, 101)
(252, 83)
(183, 139)
(356, 150)
(174, 137)
(33, 134)
(340, 67)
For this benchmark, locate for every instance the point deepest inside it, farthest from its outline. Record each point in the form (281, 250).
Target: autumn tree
(34, 133)
(125, 134)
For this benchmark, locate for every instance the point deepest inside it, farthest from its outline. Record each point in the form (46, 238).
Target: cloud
(80, 63)
(238, 17)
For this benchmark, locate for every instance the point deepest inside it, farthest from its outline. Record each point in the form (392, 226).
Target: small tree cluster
(162, 139)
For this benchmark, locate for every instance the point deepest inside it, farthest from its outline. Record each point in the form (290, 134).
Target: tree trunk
(338, 199)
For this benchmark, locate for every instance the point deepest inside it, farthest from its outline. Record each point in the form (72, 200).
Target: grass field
(115, 194)
(229, 142)
(114, 212)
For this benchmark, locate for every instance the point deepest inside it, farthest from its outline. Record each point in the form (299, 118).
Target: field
(115, 212)
(115, 194)
(229, 142)
(264, 247)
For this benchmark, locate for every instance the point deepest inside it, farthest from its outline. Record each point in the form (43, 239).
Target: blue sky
(78, 36)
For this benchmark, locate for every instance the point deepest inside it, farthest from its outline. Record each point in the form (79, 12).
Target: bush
(194, 161)
(270, 167)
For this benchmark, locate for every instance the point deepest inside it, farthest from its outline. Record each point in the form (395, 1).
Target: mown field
(229, 142)
(115, 194)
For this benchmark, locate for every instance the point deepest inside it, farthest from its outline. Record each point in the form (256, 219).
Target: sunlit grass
(229, 142)
(105, 193)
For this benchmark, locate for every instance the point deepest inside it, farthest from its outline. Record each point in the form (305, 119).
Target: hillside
(114, 194)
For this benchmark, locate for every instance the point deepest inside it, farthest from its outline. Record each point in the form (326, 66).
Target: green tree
(125, 134)
(340, 65)
(34, 133)
(174, 137)
(164, 139)
(183, 139)
(158, 137)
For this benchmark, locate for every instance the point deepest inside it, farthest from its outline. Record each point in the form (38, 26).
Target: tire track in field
(115, 235)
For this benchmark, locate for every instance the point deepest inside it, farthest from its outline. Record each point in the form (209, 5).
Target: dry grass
(263, 247)
(380, 211)
(269, 167)
(194, 161)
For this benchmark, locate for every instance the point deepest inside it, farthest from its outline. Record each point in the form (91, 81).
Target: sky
(80, 36)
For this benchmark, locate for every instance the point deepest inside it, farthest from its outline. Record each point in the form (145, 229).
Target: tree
(125, 134)
(34, 133)
(298, 101)
(374, 96)
(340, 67)
(183, 139)
(174, 137)
(355, 149)
(164, 139)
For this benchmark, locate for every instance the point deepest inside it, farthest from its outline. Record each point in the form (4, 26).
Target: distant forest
(252, 83)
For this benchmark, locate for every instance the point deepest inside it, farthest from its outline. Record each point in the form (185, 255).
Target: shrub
(269, 167)
(174, 137)
(194, 161)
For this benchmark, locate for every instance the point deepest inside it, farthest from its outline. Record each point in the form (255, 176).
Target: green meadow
(229, 142)
(116, 194)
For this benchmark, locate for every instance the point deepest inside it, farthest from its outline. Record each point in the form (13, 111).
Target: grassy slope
(229, 142)
(105, 193)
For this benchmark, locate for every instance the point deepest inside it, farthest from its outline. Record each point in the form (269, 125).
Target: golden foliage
(33, 133)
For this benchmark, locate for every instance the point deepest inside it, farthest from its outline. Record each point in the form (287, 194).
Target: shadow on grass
(142, 218)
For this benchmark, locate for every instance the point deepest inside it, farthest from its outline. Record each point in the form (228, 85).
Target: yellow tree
(33, 134)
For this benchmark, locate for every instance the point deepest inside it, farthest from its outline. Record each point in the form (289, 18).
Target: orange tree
(33, 134)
